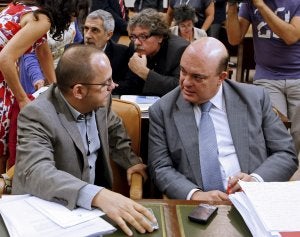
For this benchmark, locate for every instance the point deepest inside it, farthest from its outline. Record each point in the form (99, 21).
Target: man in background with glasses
(154, 63)
(65, 139)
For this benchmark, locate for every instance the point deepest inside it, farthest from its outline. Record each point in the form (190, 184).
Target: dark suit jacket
(164, 70)
(143, 4)
(51, 159)
(118, 55)
(113, 7)
(262, 143)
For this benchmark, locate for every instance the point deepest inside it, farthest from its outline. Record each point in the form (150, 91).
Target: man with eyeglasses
(155, 58)
(210, 132)
(65, 139)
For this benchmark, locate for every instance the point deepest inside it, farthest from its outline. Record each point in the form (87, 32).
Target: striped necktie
(208, 149)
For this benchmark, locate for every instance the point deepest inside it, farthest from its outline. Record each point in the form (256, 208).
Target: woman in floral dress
(23, 28)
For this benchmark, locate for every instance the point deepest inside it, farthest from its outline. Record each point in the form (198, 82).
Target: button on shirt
(87, 126)
(88, 130)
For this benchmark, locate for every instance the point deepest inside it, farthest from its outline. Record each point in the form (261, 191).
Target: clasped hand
(138, 64)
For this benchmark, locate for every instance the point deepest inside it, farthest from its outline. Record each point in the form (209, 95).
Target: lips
(187, 92)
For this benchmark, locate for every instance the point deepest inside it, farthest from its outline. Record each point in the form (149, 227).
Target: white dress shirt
(228, 160)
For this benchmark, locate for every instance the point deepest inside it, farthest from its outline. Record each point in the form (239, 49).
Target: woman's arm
(31, 31)
(209, 16)
(46, 61)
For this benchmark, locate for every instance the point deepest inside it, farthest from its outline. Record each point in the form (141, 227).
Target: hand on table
(123, 211)
(214, 195)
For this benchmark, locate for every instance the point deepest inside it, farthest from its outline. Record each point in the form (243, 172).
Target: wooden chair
(131, 117)
(130, 114)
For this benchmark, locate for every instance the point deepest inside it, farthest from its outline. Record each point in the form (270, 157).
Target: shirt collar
(217, 100)
(75, 113)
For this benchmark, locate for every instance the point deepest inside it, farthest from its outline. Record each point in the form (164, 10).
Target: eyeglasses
(139, 37)
(107, 83)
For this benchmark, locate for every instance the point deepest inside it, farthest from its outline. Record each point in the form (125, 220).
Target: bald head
(77, 65)
(209, 49)
(203, 69)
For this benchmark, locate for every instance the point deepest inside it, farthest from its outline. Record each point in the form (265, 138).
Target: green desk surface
(227, 222)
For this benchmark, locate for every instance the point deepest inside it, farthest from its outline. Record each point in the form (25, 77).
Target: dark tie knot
(205, 107)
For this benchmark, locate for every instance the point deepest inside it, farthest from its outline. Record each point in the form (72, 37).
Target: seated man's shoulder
(177, 41)
(118, 45)
(42, 105)
(247, 89)
(168, 99)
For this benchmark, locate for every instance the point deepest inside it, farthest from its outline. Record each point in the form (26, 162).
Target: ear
(160, 39)
(222, 76)
(79, 91)
(109, 35)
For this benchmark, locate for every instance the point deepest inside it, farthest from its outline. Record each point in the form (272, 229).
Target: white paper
(22, 220)
(39, 91)
(269, 207)
(62, 215)
(276, 203)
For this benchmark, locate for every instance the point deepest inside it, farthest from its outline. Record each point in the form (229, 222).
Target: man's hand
(138, 64)
(214, 195)
(38, 84)
(233, 185)
(123, 210)
(139, 168)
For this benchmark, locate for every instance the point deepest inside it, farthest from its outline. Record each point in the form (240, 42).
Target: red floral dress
(9, 25)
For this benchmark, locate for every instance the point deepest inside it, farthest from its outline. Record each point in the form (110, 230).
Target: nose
(136, 41)
(87, 34)
(112, 86)
(186, 80)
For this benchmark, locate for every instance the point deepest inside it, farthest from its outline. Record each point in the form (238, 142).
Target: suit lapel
(101, 121)
(67, 120)
(237, 114)
(188, 133)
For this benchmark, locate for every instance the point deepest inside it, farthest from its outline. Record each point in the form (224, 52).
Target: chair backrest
(130, 114)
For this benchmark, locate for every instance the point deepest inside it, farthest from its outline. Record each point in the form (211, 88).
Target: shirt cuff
(257, 177)
(190, 194)
(86, 195)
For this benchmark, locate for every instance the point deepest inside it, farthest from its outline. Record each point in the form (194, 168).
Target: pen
(228, 186)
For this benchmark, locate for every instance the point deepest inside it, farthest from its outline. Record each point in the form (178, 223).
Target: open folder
(269, 208)
(28, 216)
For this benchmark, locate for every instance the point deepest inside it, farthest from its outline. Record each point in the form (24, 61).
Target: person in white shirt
(185, 18)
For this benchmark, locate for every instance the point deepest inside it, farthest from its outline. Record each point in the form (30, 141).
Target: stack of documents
(269, 208)
(28, 216)
(144, 102)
